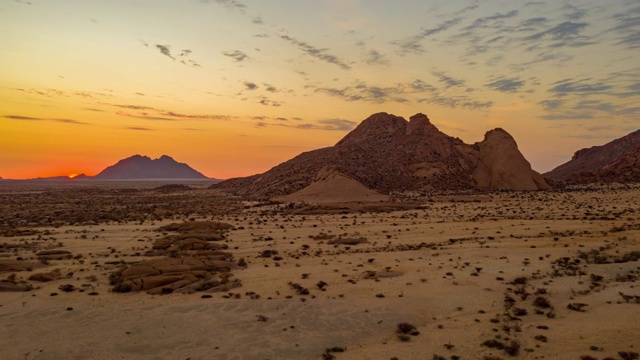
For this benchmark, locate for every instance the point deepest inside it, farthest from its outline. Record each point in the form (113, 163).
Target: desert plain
(467, 275)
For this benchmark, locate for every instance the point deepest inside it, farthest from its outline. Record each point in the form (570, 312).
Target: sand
(445, 267)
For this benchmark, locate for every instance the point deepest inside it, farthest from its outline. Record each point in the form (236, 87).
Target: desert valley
(399, 242)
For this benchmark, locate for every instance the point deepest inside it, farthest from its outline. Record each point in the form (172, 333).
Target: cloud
(70, 121)
(506, 85)
(181, 57)
(338, 124)
(133, 107)
(600, 128)
(18, 117)
(330, 124)
(361, 91)
(448, 81)
(421, 86)
(482, 21)
(552, 104)
(569, 115)
(325, 124)
(267, 102)
(257, 20)
(456, 102)
(628, 28)
(374, 57)
(237, 55)
(364, 92)
(564, 34)
(164, 50)
(138, 128)
(573, 12)
(532, 23)
(28, 118)
(232, 4)
(320, 54)
(581, 87)
(144, 116)
(412, 44)
(199, 117)
(250, 86)
(165, 115)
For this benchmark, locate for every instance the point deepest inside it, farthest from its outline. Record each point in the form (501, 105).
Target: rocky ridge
(616, 161)
(387, 153)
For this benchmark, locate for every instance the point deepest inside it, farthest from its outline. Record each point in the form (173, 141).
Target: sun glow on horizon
(233, 88)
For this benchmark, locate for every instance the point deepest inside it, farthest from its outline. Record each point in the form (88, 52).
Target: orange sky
(235, 87)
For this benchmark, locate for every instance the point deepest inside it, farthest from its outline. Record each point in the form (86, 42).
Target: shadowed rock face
(387, 153)
(143, 167)
(611, 162)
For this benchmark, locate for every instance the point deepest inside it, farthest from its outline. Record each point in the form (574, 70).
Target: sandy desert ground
(501, 275)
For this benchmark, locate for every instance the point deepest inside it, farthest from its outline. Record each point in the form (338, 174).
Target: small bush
(405, 328)
(542, 302)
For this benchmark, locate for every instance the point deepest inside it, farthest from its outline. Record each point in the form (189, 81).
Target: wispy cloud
(198, 117)
(266, 102)
(413, 43)
(628, 28)
(144, 116)
(457, 102)
(231, 4)
(133, 107)
(315, 52)
(374, 57)
(565, 34)
(250, 85)
(364, 92)
(330, 124)
(237, 55)
(581, 87)
(552, 104)
(506, 85)
(324, 124)
(138, 128)
(486, 20)
(28, 118)
(181, 57)
(447, 80)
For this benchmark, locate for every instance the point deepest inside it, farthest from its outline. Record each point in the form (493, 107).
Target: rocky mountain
(616, 161)
(143, 167)
(387, 153)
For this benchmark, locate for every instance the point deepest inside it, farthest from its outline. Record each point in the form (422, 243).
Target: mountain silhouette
(143, 167)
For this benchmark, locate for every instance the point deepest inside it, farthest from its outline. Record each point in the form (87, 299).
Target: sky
(235, 87)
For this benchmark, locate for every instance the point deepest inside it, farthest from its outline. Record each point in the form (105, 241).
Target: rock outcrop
(502, 166)
(193, 262)
(387, 153)
(616, 161)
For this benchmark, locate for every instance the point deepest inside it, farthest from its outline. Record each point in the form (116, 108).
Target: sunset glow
(235, 87)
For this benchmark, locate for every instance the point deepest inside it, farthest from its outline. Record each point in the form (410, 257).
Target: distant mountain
(143, 167)
(387, 153)
(616, 161)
